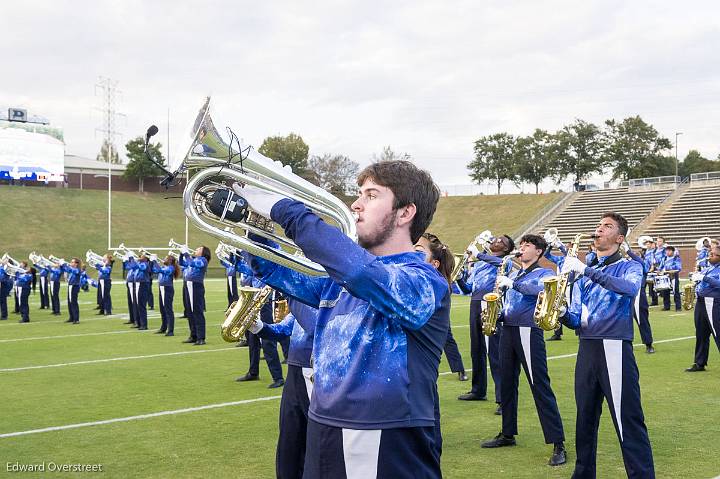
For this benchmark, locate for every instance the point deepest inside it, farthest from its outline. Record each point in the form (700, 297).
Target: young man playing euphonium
(382, 323)
(601, 311)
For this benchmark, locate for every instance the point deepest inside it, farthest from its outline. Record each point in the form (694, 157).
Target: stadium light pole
(678, 133)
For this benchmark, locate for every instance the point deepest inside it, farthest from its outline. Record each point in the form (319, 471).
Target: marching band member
(702, 255)
(672, 265)
(105, 284)
(44, 296)
(523, 345)
(23, 280)
(299, 325)
(166, 272)
(648, 256)
(196, 267)
(232, 289)
(129, 272)
(440, 256)
(483, 347)
(6, 283)
(558, 261)
(707, 309)
(149, 287)
(641, 311)
(601, 306)
(381, 326)
(73, 272)
(142, 269)
(55, 274)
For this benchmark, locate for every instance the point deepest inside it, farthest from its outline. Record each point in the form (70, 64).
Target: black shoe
(277, 383)
(471, 396)
(98, 307)
(170, 334)
(501, 440)
(555, 337)
(190, 340)
(159, 331)
(498, 410)
(695, 368)
(199, 342)
(3, 319)
(69, 321)
(462, 376)
(100, 313)
(135, 326)
(23, 321)
(666, 309)
(558, 456)
(76, 322)
(649, 349)
(142, 329)
(128, 322)
(242, 343)
(653, 304)
(248, 377)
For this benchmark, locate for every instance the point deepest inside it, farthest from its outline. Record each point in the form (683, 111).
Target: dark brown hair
(442, 254)
(410, 185)
(621, 222)
(535, 240)
(206, 253)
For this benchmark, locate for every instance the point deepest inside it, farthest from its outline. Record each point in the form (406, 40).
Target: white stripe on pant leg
(613, 361)
(361, 450)
(636, 306)
(137, 292)
(190, 294)
(230, 284)
(42, 284)
(487, 344)
(102, 289)
(709, 309)
(131, 288)
(51, 288)
(525, 344)
(162, 296)
(307, 375)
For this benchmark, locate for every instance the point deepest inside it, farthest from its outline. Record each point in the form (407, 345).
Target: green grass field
(54, 374)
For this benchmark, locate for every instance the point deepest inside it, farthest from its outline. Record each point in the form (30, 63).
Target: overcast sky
(427, 78)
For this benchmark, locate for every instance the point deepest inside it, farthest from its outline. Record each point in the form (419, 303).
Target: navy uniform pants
(186, 302)
(269, 348)
(401, 453)
(24, 303)
(55, 296)
(167, 294)
(4, 291)
(131, 301)
(641, 314)
(150, 295)
(73, 307)
(606, 369)
(675, 281)
(141, 290)
(44, 296)
(525, 346)
(232, 289)
(707, 323)
(294, 403)
(482, 347)
(653, 293)
(196, 297)
(452, 353)
(104, 287)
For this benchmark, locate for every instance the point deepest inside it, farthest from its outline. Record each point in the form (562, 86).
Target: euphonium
(175, 245)
(242, 313)
(212, 206)
(56, 261)
(493, 300)
(480, 243)
(551, 300)
(93, 258)
(225, 252)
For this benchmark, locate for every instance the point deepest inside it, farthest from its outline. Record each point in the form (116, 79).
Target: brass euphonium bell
(213, 207)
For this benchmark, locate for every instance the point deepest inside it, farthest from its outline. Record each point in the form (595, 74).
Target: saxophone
(688, 294)
(242, 313)
(552, 298)
(493, 300)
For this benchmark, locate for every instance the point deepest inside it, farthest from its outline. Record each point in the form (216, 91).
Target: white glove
(473, 251)
(697, 277)
(558, 244)
(256, 326)
(261, 201)
(562, 311)
(573, 265)
(185, 250)
(505, 282)
(153, 257)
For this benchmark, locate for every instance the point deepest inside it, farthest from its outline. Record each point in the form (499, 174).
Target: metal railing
(539, 217)
(711, 175)
(662, 202)
(654, 181)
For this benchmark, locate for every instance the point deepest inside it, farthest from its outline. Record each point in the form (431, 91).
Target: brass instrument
(57, 262)
(493, 300)
(39, 260)
(9, 260)
(225, 252)
(688, 294)
(551, 235)
(174, 254)
(282, 309)
(242, 313)
(172, 244)
(126, 252)
(480, 243)
(551, 300)
(11, 266)
(211, 204)
(93, 258)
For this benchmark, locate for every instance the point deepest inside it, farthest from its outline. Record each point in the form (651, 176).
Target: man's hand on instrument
(256, 326)
(505, 282)
(573, 265)
(261, 201)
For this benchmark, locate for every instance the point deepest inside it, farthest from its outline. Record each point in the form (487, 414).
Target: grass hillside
(459, 219)
(68, 222)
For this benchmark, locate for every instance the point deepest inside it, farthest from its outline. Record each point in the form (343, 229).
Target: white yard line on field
(220, 405)
(67, 336)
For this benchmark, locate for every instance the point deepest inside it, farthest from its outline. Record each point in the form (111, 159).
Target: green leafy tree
(105, 154)
(535, 156)
(289, 150)
(139, 167)
(389, 155)
(494, 159)
(579, 150)
(335, 173)
(694, 162)
(635, 149)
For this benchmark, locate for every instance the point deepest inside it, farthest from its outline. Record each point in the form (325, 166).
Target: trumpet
(242, 313)
(213, 207)
(480, 243)
(93, 258)
(493, 300)
(125, 251)
(552, 298)
(174, 254)
(175, 245)
(551, 236)
(118, 255)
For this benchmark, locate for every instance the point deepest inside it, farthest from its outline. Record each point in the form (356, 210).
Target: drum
(662, 283)
(650, 278)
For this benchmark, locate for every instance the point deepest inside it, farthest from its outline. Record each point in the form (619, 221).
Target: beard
(382, 232)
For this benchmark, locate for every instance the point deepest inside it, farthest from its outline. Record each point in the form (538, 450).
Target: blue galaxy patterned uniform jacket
(381, 325)
(195, 268)
(709, 287)
(602, 300)
(300, 326)
(672, 263)
(702, 258)
(519, 302)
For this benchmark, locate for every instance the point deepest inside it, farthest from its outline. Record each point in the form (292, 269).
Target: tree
(288, 150)
(139, 166)
(389, 155)
(494, 159)
(104, 153)
(579, 151)
(535, 156)
(635, 149)
(694, 162)
(335, 173)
